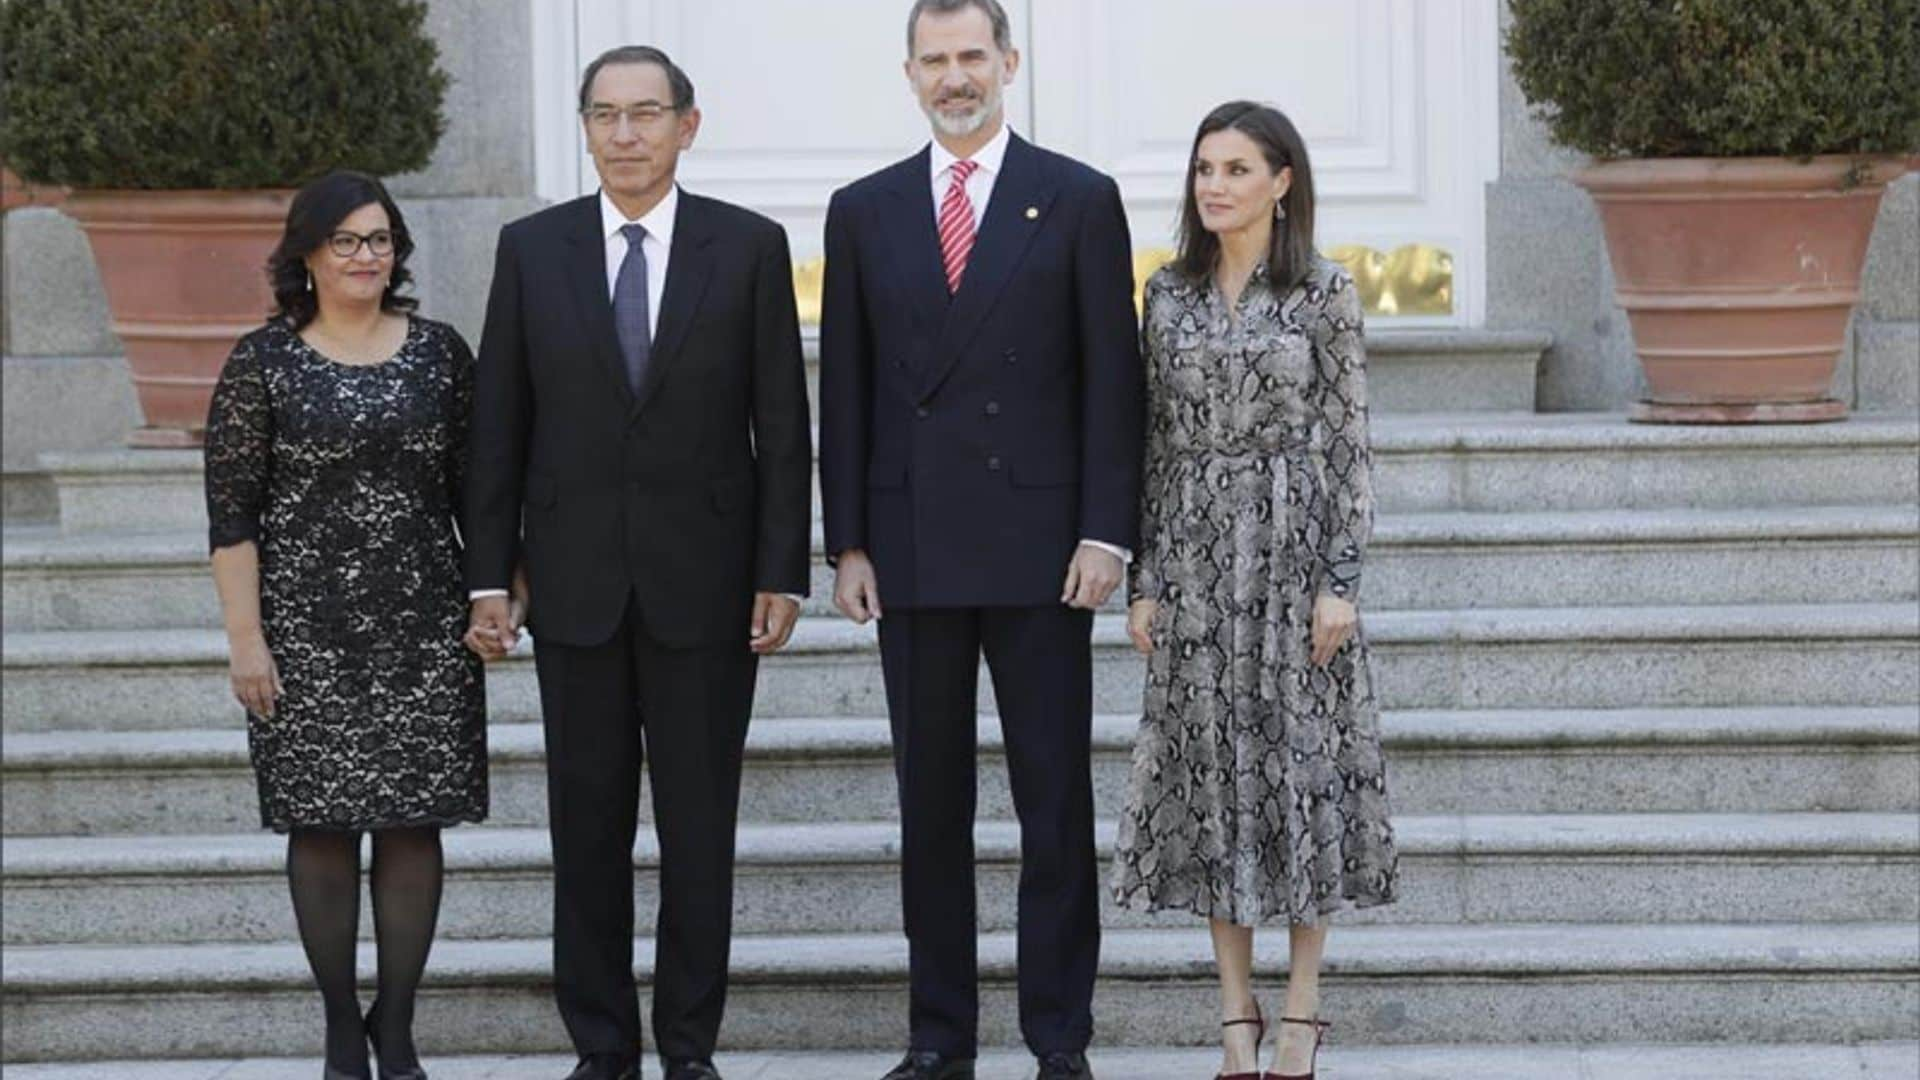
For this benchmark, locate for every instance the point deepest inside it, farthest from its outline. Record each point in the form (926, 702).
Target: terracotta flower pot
(185, 276)
(1738, 276)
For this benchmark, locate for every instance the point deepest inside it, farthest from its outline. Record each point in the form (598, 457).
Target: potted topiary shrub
(182, 127)
(1744, 146)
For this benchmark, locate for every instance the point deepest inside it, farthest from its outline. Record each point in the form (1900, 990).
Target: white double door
(1397, 100)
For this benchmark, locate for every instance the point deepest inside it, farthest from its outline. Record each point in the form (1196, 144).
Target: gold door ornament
(809, 277)
(1412, 279)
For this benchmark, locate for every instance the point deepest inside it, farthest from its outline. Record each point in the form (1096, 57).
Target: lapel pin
(1033, 213)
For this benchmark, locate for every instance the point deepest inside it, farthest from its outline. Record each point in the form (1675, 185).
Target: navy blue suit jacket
(969, 442)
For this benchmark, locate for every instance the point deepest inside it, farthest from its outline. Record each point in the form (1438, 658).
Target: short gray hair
(997, 15)
(678, 84)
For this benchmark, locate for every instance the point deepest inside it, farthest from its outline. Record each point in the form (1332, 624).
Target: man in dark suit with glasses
(640, 441)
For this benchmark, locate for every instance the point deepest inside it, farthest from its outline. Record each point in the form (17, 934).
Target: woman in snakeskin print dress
(1258, 793)
(335, 447)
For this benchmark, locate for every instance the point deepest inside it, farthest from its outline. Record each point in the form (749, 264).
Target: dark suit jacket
(692, 495)
(969, 443)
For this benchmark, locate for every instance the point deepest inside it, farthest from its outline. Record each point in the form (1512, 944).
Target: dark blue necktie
(630, 307)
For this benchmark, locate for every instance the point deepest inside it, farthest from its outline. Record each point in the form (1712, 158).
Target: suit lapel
(587, 281)
(1015, 213)
(916, 239)
(689, 265)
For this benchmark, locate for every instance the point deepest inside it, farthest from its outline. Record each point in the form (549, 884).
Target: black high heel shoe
(328, 1072)
(412, 1072)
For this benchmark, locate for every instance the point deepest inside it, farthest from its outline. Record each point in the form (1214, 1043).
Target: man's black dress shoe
(692, 1070)
(931, 1065)
(605, 1067)
(1064, 1066)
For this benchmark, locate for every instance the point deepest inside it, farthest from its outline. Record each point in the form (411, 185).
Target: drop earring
(1279, 211)
(309, 280)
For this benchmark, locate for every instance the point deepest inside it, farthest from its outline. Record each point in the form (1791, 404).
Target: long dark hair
(316, 212)
(1279, 141)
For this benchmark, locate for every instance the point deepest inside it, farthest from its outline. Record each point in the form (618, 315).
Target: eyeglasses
(607, 117)
(346, 244)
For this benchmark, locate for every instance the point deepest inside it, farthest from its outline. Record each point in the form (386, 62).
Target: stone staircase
(1653, 726)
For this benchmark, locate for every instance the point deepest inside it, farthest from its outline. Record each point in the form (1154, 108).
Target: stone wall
(1886, 327)
(1548, 270)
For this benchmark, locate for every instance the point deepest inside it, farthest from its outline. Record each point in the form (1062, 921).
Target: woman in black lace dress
(335, 445)
(1258, 791)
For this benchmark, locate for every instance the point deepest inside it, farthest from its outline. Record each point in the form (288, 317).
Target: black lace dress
(348, 478)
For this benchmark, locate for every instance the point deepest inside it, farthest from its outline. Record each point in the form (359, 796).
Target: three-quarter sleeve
(239, 448)
(1346, 459)
(1144, 579)
(459, 421)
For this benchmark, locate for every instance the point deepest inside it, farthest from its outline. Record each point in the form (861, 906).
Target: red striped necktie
(956, 224)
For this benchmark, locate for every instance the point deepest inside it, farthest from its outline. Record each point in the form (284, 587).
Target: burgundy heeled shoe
(1319, 1034)
(1259, 1023)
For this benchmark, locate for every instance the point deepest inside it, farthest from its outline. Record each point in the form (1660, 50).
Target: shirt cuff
(1114, 550)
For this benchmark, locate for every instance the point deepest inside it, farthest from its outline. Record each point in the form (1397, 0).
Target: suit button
(923, 412)
(993, 464)
(1011, 356)
(993, 408)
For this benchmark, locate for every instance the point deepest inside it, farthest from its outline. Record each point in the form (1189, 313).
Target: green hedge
(176, 94)
(1722, 78)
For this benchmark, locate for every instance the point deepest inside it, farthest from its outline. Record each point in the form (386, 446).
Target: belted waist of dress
(1294, 444)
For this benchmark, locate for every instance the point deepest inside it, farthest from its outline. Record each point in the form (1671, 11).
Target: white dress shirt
(658, 246)
(979, 185)
(989, 158)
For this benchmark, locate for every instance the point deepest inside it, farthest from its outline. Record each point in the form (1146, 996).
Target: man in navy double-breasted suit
(981, 426)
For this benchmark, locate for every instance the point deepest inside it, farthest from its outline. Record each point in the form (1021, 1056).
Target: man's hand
(1091, 577)
(519, 598)
(492, 631)
(773, 619)
(255, 677)
(1333, 623)
(1140, 616)
(856, 592)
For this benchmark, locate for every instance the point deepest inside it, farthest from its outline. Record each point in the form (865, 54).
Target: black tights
(323, 868)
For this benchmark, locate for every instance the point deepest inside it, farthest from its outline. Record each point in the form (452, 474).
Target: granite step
(1469, 560)
(144, 581)
(1613, 1061)
(1525, 462)
(1862, 759)
(1549, 982)
(1809, 654)
(843, 877)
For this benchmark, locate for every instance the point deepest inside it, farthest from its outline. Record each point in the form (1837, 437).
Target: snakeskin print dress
(348, 478)
(1258, 793)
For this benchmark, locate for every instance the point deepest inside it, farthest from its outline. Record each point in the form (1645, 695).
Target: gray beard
(964, 125)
